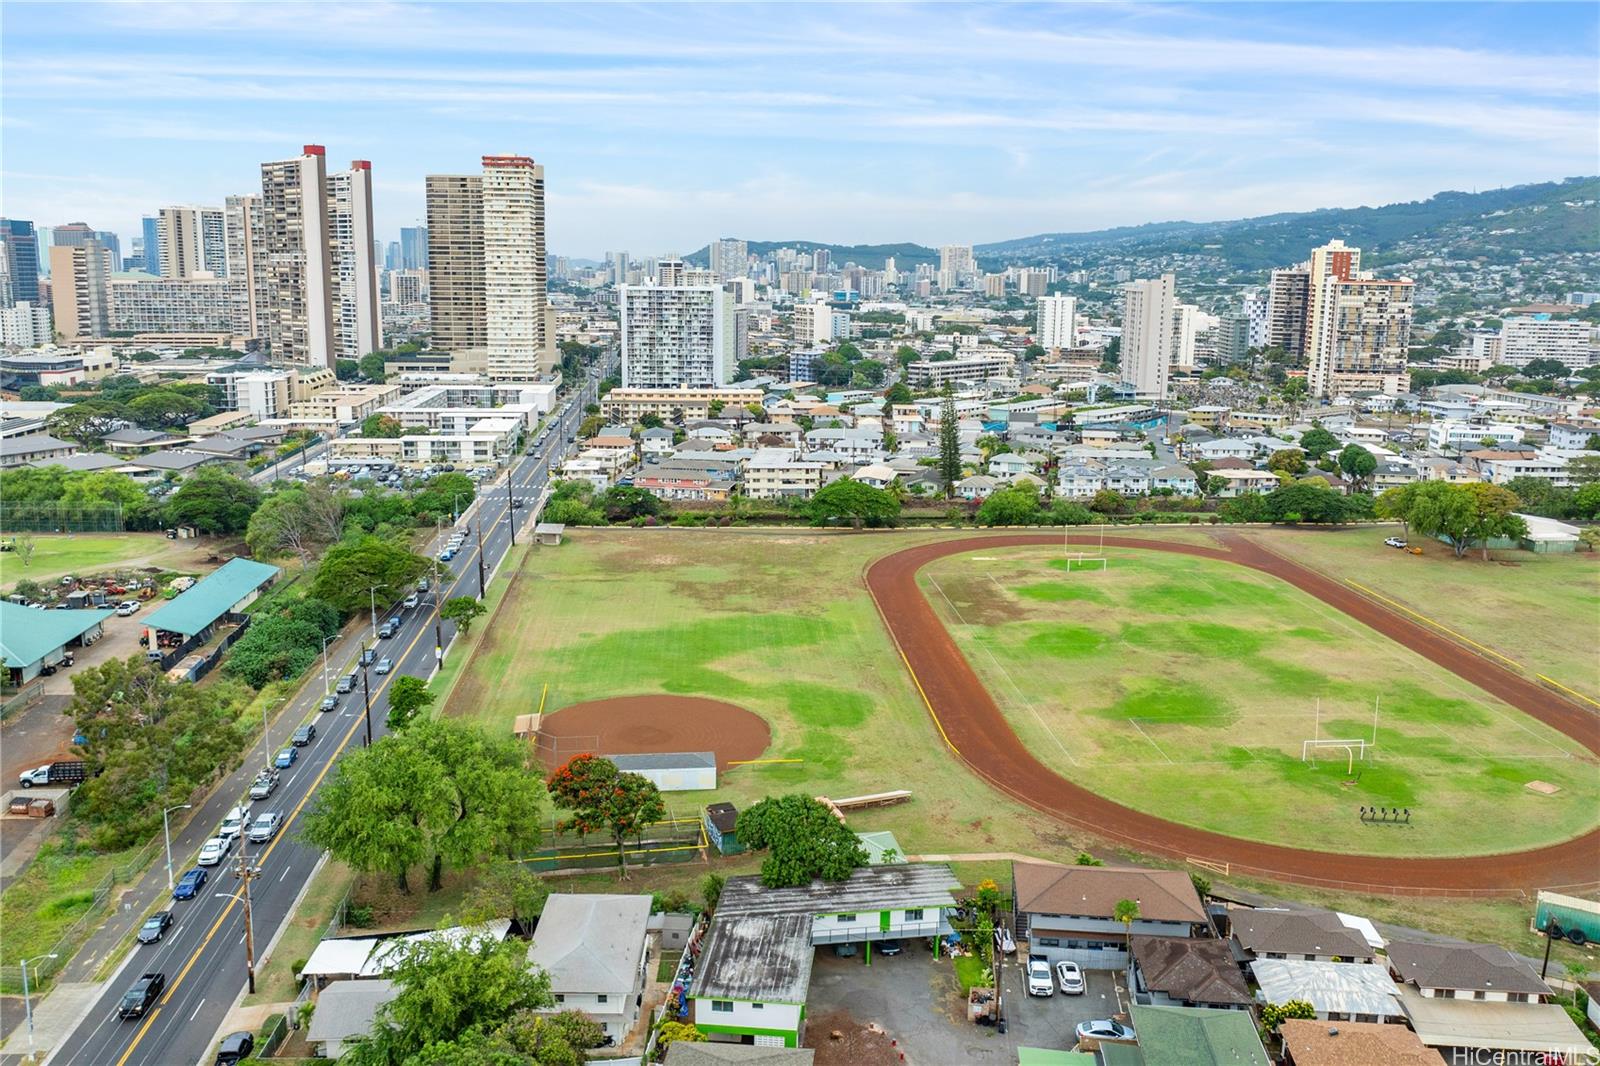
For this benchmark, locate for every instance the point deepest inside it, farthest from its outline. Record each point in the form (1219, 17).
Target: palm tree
(1127, 912)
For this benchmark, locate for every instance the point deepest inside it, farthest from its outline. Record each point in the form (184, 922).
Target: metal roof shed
(29, 638)
(227, 590)
(674, 771)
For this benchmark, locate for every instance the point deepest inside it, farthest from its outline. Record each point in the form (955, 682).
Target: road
(203, 956)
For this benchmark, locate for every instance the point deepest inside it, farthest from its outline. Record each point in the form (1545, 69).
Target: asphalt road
(203, 955)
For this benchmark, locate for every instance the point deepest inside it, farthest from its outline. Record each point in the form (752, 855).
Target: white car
(1003, 941)
(1396, 542)
(213, 850)
(1039, 982)
(127, 607)
(234, 822)
(1070, 978)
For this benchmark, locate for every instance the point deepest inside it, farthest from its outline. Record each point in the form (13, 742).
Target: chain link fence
(57, 517)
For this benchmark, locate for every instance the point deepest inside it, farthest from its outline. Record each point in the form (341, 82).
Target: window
(1049, 942)
(1480, 994)
(1518, 997)
(758, 1006)
(1445, 993)
(914, 915)
(722, 1006)
(601, 998)
(844, 917)
(561, 997)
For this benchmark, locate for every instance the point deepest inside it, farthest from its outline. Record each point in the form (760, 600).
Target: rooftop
(1162, 895)
(1314, 1043)
(1196, 1036)
(757, 958)
(1330, 987)
(82, 461)
(1297, 933)
(212, 597)
(1199, 971)
(1492, 1024)
(1463, 966)
(872, 888)
(347, 1009)
(33, 442)
(590, 942)
(706, 1053)
(28, 635)
(665, 760)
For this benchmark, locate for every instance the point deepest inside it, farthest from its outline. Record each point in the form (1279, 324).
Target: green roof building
(227, 591)
(31, 638)
(1194, 1036)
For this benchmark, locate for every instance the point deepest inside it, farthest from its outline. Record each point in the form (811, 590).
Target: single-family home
(861, 445)
(1465, 971)
(1309, 935)
(596, 949)
(1577, 433)
(1316, 1043)
(1080, 480)
(1192, 1036)
(1175, 477)
(1127, 479)
(976, 487)
(878, 475)
(1337, 991)
(772, 434)
(715, 432)
(1239, 482)
(1008, 464)
(1181, 971)
(1068, 912)
(655, 441)
(134, 439)
(1224, 448)
(345, 1014)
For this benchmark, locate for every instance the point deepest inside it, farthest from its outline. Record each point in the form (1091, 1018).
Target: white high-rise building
(1333, 261)
(1363, 335)
(356, 328)
(243, 244)
(682, 336)
(1571, 342)
(299, 282)
(519, 323)
(956, 265)
(813, 323)
(619, 268)
(191, 242)
(729, 257)
(1147, 312)
(1185, 324)
(1257, 308)
(1058, 322)
(25, 325)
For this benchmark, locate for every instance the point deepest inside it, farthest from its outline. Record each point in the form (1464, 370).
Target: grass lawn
(1184, 687)
(55, 890)
(1543, 611)
(668, 966)
(57, 555)
(275, 980)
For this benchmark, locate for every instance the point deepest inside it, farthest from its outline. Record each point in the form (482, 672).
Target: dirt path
(972, 725)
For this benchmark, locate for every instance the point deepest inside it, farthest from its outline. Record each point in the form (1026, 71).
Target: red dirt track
(638, 725)
(977, 732)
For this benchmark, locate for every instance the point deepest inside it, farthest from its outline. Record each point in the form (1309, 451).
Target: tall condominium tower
(299, 281)
(244, 245)
(486, 267)
(80, 291)
(414, 247)
(19, 262)
(356, 328)
(150, 229)
(730, 257)
(1057, 318)
(190, 241)
(677, 336)
(1147, 312)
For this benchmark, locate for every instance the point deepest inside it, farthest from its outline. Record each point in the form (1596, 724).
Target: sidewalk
(53, 1018)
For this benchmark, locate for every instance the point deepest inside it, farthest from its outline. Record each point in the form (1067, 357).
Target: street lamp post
(166, 833)
(372, 598)
(27, 1004)
(325, 689)
(366, 697)
(246, 873)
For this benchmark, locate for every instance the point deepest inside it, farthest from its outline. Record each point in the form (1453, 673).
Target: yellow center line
(282, 833)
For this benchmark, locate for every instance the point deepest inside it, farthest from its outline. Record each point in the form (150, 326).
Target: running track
(979, 735)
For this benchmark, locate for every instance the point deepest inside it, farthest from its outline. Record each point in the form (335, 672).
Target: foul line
(928, 703)
(1578, 695)
(1437, 625)
(759, 762)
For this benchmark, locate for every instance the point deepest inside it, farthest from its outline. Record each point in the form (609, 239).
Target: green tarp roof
(1043, 1056)
(27, 635)
(1198, 1036)
(212, 597)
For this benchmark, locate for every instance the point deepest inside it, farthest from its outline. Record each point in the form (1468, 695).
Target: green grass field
(57, 555)
(1541, 610)
(1184, 687)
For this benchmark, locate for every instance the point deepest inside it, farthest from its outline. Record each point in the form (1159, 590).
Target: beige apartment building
(192, 242)
(356, 330)
(668, 404)
(80, 293)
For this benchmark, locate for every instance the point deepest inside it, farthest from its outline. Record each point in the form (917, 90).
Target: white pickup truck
(1040, 981)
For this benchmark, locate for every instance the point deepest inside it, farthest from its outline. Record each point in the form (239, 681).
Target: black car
(330, 702)
(889, 947)
(145, 991)
(155, 927)
(235, 1047)
(304, 735)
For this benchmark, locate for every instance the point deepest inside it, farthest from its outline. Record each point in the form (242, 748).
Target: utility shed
(672, 771)
(721, 820)
(227, 591)
(31, 639)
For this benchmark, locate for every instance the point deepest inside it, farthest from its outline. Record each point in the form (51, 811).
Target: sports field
(56, 555)
(1542, 611)
(1184, 687)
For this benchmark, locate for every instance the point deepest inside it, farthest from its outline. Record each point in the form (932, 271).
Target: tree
(282, 644)
(804, 840)
(378, 425)
(1294, 391)
(1291, 461)
(213, 501)
(371, 367)
(1536, 494)
(850, 500)
(1394, 504)
(899, 392)
(1246, 507)
(1357, 464)
(949, 444)
(352, 567)
(622, 503)
(1126, 911)
(711, 890)
(1464, 514)
(346, 369)
(408, 697)
(1274, 1014)
(1215, 485)
(1017, 505)
(462, 610)
(1108, 501)
(1544, 368)
(449, 493)
(1318, 442)
(601, 797)
(505, 890)
(295, 521)
(447, 991)
(1067, 513)
(1584, 470)
(167, 409)
(1305, 501)
(88, 422)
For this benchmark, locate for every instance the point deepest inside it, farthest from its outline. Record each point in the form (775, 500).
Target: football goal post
(1354, 749)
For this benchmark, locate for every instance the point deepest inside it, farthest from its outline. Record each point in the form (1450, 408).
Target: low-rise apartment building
(630, 404)
(777, 473)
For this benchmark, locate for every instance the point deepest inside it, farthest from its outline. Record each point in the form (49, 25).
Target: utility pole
(245, 872)
(366, 697)
(478, 532)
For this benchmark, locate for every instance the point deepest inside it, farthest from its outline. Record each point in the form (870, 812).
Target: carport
(31, 639)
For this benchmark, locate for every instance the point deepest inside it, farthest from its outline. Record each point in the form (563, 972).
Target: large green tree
(803, 839)
(1357, 464)
(1318, 442)
(1464, 514)
(462, 610)
(353, 566)
(848, 500)
(213, 501)
(408, 697)
(88, 422)
(297, 521)
(604, 799)
(1017, 505)
(949, 444)
(280, 645)
(1306, 501)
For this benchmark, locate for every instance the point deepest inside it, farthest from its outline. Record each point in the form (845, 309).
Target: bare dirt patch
(855, 1044)
(632, 725)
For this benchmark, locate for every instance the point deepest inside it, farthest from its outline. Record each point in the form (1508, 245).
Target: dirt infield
(971, 723)
(635, 725)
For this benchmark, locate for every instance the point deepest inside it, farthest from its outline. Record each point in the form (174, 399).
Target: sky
(663, 126)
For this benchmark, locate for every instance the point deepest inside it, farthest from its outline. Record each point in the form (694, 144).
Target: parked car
(127, 607)
(234, 821)
(138, 998)
(264, 784)
(1396, 542)
(1070, 978)
(1040, 982)
(155, 927)
(844, 951)
(384, 666)
(265, 827)
(411, 601)
(330, 702)
(1104, 1029)
(286, 758)
(304, 735)
(189, 884)
(1003, 941)
(213, 850)
(235, 1048)
(889, 947)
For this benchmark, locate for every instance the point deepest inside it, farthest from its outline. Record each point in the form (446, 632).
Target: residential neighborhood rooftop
(1463, 966)
(872, 888)
(1162, 895)
(758, 958)
(590, 942)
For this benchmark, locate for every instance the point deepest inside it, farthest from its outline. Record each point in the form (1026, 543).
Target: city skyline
(664, 127)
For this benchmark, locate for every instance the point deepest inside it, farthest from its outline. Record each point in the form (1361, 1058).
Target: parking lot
(917, 1000)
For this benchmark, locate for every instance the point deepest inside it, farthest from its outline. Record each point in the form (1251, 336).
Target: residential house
(1067, 912)
(89, 461)
(1574, 434)
(345, 1014)
(1224, 448)
(1178, 971)
(134, 439)
(917, 446)
(1316, 1043)
(1080, 480)
(1031, 481)
(1127, 479)
(583, 468)
(878, 475)
(715, 432)
(1189, 1036)
(1008, 464)
(773, 434)
(976, 487)
(685, 486)
(1456, 473)
(860, 445)
(656, 441)
(1465, 971)
(776, 473)
(1310, 936)
(596, 949)
(1337, 991)
(1240, 482)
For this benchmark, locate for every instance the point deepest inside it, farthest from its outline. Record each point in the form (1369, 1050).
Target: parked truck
(65, 773)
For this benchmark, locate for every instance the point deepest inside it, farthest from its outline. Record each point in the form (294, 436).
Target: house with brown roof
(1068, 912)
(1311, 936)
(1481, 972)
(1312, 1043)
(1179, 971)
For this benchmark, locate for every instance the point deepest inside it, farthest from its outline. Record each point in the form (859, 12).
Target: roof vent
(1333, 1031)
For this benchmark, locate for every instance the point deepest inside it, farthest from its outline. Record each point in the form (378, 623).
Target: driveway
(915, 999)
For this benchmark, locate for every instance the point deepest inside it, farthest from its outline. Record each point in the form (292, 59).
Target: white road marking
(197, 1007)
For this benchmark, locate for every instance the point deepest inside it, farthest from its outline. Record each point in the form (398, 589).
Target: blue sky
(661, 126)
